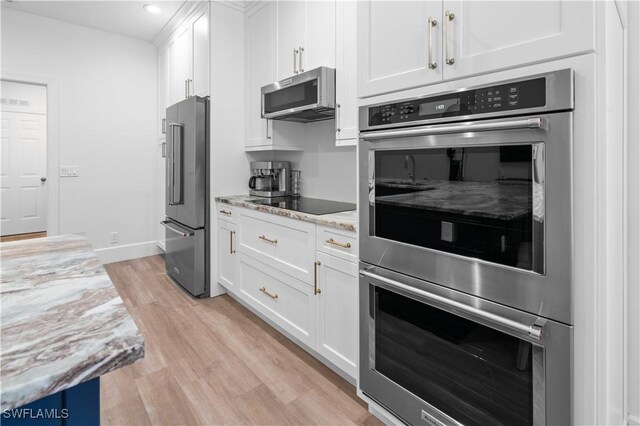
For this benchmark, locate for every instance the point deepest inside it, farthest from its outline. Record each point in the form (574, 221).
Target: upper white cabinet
(487, 36)
(393, 44)
(188, 59)
(163, 88)
(346, 74)
(410, 44)
(305, 36)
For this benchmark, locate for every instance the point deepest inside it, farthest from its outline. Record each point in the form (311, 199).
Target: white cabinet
(393, 43)
(160, 192)
(260, 51)
(301, 276)
(491, 35)
(163, 82)
(179, 51)
(188, 58)
(337, 312)
(409, 44)
(227, 254)
(346, 74)
(200, 42)
(305, 36)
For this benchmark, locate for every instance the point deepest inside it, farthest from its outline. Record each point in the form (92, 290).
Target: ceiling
(126, 18)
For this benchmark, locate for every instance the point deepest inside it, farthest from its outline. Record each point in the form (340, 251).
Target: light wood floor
(19, 237)
(211, 361)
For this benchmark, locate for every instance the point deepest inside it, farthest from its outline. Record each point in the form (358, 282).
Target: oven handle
(528, 123)
(534, 331)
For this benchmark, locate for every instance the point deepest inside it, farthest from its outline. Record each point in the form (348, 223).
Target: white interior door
(23, 140)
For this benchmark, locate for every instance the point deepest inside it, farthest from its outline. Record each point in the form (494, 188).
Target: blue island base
(76, 406)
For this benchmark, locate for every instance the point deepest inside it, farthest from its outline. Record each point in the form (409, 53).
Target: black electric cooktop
(306, 205)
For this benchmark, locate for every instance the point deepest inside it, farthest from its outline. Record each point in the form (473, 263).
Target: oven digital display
(430, 108)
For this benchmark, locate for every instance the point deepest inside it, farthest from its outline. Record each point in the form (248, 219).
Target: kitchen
(320, 212)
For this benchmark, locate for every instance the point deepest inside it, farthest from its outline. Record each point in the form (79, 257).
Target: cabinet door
(180, 65)
(393, 45)
(227, 255)
(319, 45)
(337, 312)
(346, 77)
(289, 25)
(260, 60)
(160, 191)
(200, 42)
(163, 86)
(487, 36)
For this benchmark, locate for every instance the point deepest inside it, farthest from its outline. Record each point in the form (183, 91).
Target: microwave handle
(533, 331)
(527, 123)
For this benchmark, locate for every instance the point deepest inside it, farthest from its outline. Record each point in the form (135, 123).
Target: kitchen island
(63, 325)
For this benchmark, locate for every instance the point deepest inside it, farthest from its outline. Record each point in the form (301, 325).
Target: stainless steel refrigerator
(187, 195)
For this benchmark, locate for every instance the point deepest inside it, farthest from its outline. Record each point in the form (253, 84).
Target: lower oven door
(433, 355)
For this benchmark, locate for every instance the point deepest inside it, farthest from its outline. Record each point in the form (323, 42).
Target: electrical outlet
(115, 238)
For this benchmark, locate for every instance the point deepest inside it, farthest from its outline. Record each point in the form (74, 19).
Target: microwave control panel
(504, 97)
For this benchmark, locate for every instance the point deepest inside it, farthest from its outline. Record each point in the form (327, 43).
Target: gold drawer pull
(335, 243)
(228, 213)
(273, 296)
(263, 238)
(316, 290)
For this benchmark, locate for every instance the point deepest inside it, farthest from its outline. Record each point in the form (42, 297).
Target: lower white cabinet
(300, 276)
(337, 312)
(283, 299)
(227, 254)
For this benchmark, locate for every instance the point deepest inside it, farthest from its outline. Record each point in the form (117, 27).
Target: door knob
(43, 179)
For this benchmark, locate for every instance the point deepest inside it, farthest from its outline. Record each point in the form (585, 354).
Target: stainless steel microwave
(305, 97)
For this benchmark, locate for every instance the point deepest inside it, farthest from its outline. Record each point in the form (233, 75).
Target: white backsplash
(328, 171)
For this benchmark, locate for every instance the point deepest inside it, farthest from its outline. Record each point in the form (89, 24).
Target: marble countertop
(503, 200)
(63, 322)
(347, 220)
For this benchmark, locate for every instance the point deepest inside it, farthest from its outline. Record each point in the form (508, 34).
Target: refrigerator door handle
(168, 224)
(175, 196)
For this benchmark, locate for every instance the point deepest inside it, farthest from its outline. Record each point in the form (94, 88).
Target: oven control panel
(504, 97)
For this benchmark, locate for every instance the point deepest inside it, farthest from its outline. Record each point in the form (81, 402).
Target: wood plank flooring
(19, 237)
(211, 361)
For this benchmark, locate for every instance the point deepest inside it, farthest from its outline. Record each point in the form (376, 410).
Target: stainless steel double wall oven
(465, 244)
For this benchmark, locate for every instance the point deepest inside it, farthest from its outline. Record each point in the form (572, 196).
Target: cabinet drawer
(342, 244)
(286, 244)
(226, 212)
(283, 299)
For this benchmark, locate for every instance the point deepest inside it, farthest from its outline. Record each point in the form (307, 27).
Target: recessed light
(151, 8)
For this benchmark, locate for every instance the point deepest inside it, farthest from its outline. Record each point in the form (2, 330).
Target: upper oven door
(483, 207)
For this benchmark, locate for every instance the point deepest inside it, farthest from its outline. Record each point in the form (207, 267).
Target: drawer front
(283, 299)
(226, 212)
(287, 244)
(342, 244)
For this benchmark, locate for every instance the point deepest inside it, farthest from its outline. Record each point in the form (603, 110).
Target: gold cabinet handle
(316, 290)
(274, 296)
(231, 235)
(447, 36)
(263, 238)
(430, 63)
(228, 213)
(336, 243)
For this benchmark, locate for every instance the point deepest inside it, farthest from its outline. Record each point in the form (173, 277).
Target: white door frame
(53, 150)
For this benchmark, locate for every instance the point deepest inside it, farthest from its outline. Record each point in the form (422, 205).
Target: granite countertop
(503, 200)
(347, 220)
(63, 322)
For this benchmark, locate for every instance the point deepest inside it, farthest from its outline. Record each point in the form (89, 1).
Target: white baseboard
(129, 251)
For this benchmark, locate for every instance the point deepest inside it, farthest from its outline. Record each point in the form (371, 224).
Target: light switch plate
(69, 171)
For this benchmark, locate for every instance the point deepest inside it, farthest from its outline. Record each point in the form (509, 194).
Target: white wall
(633, 215)
(107, 112)
(327, 171)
